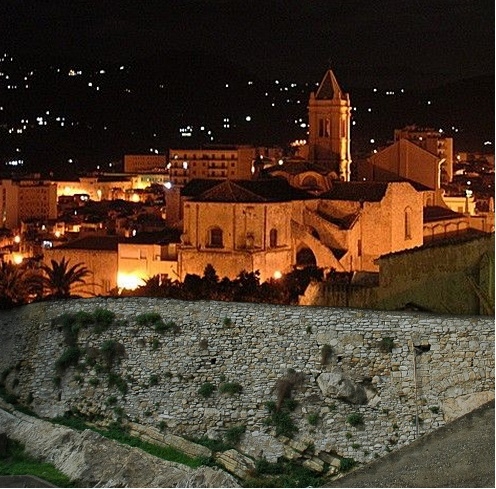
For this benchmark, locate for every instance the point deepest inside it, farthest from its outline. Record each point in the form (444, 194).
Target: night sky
(292, 38)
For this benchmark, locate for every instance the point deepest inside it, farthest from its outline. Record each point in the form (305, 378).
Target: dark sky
(454, 38)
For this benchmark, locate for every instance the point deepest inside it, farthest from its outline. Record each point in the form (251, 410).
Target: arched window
(215, 238)
(408, 223)
(273, 238)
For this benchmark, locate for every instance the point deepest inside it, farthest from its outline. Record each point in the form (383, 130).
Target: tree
(59, 280)
(13, 286)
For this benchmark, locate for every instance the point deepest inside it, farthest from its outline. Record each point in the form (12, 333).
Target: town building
(148, 163)
(216, 162)
(269, 226)
(22, 200)
(434, 142)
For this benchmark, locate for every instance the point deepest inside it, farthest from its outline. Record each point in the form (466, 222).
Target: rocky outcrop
(236, 463)
(454, 408)
(153, 435)
(336, 384)
(90, 459)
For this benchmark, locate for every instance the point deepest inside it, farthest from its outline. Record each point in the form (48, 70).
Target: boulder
(314, 464)
(336, 384)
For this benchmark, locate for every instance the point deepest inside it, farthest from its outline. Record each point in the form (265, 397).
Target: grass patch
(117, 433)
(313, 419)
(284, 473)
(17, 462)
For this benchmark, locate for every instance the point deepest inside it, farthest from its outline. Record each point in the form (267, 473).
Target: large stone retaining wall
(439, 368)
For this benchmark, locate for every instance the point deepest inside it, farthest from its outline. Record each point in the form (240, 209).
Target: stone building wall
(439, 367)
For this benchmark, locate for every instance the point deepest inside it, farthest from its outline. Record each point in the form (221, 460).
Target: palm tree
(13, 285)
(59, 279)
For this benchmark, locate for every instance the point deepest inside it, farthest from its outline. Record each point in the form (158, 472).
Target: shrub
(285, 385)
(230, 388)
(93, 381)
(112, 350)
(111, 400)
(348, 435)
(206, 389)
(162, 426)
(355, 419)
(155, 344)
(434, 409)
(325, 354)
(233, 435)
(227, 322)
(355, 446)
(290, 404)
(153, 379)
(115, 380)
(69, 357)
(283, 423)
(103, 319)
(309, 330)
(347, 464)
(313, 419)
(386, 345)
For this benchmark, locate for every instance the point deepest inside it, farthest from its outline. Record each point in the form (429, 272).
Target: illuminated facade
(22, 200)
(250, 226)
(329, 116)
(406, 160)
(215, 162)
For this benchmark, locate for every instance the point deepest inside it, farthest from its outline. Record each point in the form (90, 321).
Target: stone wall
(391, 368)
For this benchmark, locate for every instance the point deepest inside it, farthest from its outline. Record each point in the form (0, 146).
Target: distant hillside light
(248, 118)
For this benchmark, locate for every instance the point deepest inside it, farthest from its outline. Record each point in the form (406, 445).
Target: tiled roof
(197, 186)
(159, 237)
(296, 167)
(270, 190)
(356, 191)
(438, 213)
(103, 243)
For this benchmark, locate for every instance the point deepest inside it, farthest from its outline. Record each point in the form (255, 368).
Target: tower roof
(329, 88)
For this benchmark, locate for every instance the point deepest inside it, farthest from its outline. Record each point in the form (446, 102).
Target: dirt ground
(460, 454)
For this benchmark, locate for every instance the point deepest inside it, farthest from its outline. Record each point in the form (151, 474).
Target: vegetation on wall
(246, 287)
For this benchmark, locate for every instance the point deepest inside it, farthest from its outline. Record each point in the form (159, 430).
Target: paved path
(460, 454)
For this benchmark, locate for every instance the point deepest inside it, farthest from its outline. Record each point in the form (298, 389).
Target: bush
(206, 389)
(283, 423)
(355, 419)
(313, 419)
(115, 380)
(434, 409)
(230, 388)
(233, 435)
(102, 319)
(112, 350)
(347, 464)
(386, 345)
(227, 322)
(153, 380)
(69, 357)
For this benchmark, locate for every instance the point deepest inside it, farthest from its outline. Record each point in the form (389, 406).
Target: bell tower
(329, 115)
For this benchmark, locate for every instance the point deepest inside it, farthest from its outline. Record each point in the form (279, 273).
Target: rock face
(236, 463)
(94, 460)
(459, 406)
